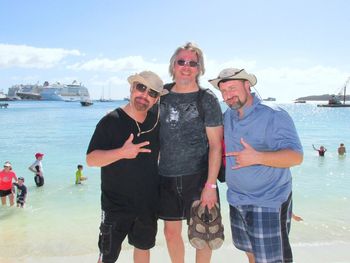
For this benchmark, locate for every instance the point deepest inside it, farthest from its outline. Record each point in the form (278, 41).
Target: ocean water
(61, 219)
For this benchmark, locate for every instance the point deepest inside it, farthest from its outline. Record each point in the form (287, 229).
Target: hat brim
(240, 76)
(140, 79)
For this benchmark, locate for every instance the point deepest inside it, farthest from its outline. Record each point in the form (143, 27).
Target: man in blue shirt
(261, 145)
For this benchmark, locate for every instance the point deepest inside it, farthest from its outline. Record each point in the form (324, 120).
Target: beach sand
(322, 253)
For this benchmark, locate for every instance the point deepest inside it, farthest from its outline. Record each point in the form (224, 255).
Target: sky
(295, 48)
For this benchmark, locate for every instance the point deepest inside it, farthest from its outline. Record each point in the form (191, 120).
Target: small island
(324, 97)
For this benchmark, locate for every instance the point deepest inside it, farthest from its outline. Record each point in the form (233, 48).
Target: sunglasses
(142, 88)
(190, 63)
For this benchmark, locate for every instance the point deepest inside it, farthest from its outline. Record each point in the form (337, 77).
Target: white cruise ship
(54, 92)
(62, 92)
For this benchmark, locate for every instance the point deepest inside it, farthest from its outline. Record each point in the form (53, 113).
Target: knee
(171, 234)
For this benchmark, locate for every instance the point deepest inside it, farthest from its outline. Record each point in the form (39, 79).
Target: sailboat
(335, 101)
(102, 99)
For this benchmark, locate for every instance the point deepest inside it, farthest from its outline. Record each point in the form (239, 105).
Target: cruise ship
(62, 92)
(50, 92)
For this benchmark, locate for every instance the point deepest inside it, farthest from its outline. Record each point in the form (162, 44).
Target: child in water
(21, 192)
(79, 175)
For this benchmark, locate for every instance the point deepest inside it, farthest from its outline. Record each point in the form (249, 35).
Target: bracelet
(210, 186)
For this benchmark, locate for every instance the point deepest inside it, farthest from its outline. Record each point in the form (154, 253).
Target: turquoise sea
(61, 219)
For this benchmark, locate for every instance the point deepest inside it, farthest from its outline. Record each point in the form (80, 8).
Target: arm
(129, 150)
(280, 159)
(313, 146)
(215, 135)
(31, 168)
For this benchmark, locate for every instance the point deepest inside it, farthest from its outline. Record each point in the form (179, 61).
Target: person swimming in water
(321, 151)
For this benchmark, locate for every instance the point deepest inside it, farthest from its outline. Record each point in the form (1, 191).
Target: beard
(238, 104)
(141, 104)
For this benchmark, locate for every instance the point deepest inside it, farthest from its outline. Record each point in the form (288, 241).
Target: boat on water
(86, 102)
(103, 99)
(50, 92)
(64, 92)
(3, 105)
(335, 100)
(269, 99)
(300, 101)
(3, 96)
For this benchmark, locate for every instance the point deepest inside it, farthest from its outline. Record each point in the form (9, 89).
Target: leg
(12, 199)
(250, 257)
(141, 255)
(3, 200)
(203, 255)
(175, 244)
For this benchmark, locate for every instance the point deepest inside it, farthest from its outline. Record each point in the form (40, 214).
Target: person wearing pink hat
(6, 178)
(37, 169)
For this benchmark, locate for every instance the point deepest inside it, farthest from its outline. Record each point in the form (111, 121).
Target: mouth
(141, 100)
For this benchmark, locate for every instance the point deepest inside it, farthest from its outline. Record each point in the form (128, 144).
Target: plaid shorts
(263, 231)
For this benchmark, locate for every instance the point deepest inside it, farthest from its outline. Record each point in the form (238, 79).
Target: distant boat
(3, 96)
(335, 100)
(3, 105)
(86, 102)
(64, 92)
(300, 101)
(50, 92)
(102, 99)
(269, 99)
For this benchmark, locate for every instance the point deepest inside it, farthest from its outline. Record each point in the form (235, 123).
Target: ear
(247, 85)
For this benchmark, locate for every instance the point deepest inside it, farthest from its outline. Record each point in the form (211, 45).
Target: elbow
(89, 161)
(299, 158)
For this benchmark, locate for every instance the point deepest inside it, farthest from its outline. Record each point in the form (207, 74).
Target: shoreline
(332, 252)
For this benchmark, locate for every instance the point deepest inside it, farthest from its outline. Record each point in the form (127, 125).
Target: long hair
(194, 48)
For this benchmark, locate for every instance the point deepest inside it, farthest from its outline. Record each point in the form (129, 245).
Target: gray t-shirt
(183, 139)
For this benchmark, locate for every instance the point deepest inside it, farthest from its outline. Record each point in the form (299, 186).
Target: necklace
(142, 132)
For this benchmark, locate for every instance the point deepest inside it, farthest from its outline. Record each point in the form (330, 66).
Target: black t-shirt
(128, 184)
(183, 138)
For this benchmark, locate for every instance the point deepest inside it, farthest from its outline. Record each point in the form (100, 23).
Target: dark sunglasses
(190, 63)
(142, 88)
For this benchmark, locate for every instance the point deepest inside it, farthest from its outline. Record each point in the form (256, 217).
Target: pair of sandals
(205, 227)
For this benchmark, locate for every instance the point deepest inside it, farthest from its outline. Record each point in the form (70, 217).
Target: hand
(247, 157)
(131, 150)
(208, 197)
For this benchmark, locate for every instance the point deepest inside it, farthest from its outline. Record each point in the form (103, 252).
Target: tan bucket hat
(233, 73)
(149, 79)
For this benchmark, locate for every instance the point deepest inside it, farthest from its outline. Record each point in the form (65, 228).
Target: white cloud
(23, 56)
(126, 64)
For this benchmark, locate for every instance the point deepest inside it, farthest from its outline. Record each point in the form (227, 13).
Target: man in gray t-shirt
(190, 148)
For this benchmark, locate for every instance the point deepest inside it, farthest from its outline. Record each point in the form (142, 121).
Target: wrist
(210, 186)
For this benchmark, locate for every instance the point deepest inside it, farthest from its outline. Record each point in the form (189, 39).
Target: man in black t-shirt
(125, 145)
(190, 148)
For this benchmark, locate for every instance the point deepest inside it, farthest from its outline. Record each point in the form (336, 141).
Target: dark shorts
(39, 180)
(5, 192)
(263, 231)
(177, 195)
(114, 228)
(20, 200)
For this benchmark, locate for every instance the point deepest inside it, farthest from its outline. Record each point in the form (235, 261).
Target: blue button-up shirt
(268, 129)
